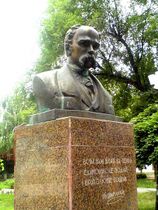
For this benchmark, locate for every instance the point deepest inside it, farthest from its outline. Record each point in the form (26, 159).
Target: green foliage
(146, 183)
(8, 184)
(1, 165)
(146, 136)
(16, 110)
(61, 16)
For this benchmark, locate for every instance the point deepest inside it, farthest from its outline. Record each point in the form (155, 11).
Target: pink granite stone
(75, 164)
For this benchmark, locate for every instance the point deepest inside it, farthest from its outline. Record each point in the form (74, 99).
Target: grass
(6, 202)
(146, 183)
(8, 184)
(146, 201)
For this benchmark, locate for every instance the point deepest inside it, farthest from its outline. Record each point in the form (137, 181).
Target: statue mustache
(87, 61)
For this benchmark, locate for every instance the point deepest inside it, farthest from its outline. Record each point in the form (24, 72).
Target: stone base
(75, 164)
(60, 113)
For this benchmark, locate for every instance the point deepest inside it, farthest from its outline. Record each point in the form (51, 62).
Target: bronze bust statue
(73, 86)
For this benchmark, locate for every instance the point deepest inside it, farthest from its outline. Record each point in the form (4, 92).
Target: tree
(146, 136)
(61, 15)
(126, 39)
(1, 165)
(128, 53)
(16, 110)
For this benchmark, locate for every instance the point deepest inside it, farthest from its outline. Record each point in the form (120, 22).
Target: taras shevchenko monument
(57, 155)
(73, 86)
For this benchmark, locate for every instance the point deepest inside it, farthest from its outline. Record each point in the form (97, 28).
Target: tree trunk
(5, 176)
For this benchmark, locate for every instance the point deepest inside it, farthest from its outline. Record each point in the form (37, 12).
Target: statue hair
(69, 37)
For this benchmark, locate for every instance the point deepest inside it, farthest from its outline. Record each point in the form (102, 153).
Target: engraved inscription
(105, 161)
(105, 172)
(98, 171)
(113, 197)
(100, 181)
(102, 171)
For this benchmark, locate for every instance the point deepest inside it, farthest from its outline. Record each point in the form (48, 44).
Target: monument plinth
(75, 164)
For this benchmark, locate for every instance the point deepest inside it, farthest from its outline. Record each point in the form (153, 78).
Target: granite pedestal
(75, 164)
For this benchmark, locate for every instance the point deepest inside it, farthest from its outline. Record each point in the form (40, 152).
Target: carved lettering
(101, 181)
(102, 171)
(105, 161)
(117, 167)
(113, 197)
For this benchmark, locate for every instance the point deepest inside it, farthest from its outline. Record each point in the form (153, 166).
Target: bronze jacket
(66, 89)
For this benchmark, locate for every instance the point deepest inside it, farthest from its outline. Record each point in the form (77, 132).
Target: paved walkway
(142, 190)
(139, 190)
(7, 191)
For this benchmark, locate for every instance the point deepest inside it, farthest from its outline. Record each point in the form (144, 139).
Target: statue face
(84, 46)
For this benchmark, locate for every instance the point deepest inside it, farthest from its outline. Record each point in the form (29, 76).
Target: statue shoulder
(42, 82)
(46, 74)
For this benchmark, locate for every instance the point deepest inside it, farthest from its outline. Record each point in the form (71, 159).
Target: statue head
(81, 44)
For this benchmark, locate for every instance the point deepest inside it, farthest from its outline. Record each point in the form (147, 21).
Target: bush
(141, 176)
(8, 184)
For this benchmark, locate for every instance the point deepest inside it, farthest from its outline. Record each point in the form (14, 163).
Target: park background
(32, 34)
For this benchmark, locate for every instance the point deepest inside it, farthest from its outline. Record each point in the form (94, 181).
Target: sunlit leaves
(146, 136)
(16, 110)
(129, 51)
